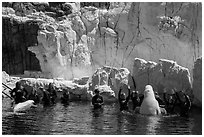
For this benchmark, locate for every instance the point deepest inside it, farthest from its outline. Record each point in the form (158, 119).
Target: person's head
(51, 86)
(65, 92)
(34, 91)
(135, 93)
(181, 95)
(122, 96)
(18, 85)
(172, 92)
(156, 93)
(96, 91)
(41, 88)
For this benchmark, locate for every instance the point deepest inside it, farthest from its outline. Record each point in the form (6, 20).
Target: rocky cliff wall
(17, 36)
(90, 38)
(164, 75)
(197, 82)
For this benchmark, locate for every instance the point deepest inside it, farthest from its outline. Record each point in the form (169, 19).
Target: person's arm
(94, 102)
(131, 96)
(160, 101)
(178, 98)
(102, 100)
(11, 93)
(55, 93)
(26, 93)
(141, 99)
(188, 102)
(174, 103)
(164, 97)
(128, 97)
(119, 94)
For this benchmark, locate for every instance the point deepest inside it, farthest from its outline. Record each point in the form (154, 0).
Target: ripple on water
(80, 118)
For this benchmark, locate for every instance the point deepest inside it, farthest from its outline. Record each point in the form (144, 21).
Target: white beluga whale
(24, 106)
(150, 105)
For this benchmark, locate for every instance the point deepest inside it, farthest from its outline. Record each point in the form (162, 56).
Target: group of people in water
(171, 104)
(177, 102)
(20, 94)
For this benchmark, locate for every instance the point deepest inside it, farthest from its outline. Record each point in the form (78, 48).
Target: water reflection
(153, 124)
(80, 118)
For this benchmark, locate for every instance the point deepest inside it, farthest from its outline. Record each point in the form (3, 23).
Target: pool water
(80, 118)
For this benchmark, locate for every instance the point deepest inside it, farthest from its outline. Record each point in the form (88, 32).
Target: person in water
(19, 93)
(46, 97)
(184, 105)
(169, 102)
(157, 97)
(34, 96)
(52, 93)
(135, 99)
(97, 99)
(65, 97)
(123, 100)
(175, 105)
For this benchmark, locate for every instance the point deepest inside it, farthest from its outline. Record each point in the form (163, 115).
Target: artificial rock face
(166, 75)
(74, 89)
(197, 82)
(59, 54)
(90, 37)
(112, 77)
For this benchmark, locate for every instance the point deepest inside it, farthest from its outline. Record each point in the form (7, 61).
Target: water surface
(80, 118)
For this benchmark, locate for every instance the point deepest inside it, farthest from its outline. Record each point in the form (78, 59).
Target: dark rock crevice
(16, 38)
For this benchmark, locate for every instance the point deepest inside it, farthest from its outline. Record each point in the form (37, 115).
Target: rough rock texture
(96, 4)
(5, 77)
(77, 88)
(197, 82)
(116, 36)
(17, 35)
(164, 74)
(59, 54)
(112, 78)
(9, 81)
(74, 89)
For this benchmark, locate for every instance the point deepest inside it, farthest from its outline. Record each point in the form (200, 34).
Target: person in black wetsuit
(34, 96)
(97, 100)
(170, 102)
(46, 97)
(176, 105)
(135, 99)
(52, 92)
(19, 93)
(123, 100)
(184, 105)
(65, 97)
(157, 97)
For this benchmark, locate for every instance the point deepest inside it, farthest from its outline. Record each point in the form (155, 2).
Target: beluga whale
(150, 105)
(24, 106)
